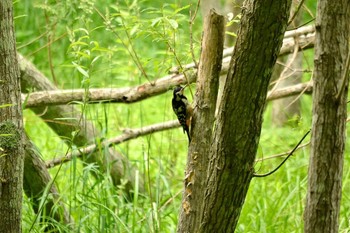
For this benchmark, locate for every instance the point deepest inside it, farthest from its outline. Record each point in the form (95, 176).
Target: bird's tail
(188, 135)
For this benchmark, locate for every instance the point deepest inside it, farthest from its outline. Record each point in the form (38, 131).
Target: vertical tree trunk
(329, 117)
(11, 126)
(202, 122)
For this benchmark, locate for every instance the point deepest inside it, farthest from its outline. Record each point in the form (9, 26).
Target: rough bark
(37, 183)
(118, 166)
(11, 126)
(202, 122)
(238, 124)
(329, 117)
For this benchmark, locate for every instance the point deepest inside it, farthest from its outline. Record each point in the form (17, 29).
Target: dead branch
(290, 91)
(126, 136)
(110, 95)
(130, 95)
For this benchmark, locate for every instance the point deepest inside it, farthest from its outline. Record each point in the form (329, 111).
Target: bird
(182, 109)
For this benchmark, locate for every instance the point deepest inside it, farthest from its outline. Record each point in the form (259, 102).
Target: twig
(126, 136)
(274, 170)
(296, 12)
(131, 51)
(295, 53)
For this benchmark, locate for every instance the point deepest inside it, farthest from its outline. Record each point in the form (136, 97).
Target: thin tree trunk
(238, 124)
(329, 117)
(11, 126)
(202, 122)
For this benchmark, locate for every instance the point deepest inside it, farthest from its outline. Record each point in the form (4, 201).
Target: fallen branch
(126, 136)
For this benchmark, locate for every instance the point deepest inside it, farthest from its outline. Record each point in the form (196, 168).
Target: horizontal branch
(290, 91)
(310, 29)
(126, 136)
(118, 95)
(159, 86)
(111, 95)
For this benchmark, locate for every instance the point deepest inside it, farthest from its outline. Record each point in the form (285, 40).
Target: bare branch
(131, 95)
(300, 31)
(111, 95)
(126, 136)
(290, 91)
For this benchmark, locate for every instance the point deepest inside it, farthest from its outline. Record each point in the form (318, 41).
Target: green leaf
(81, 70)
(173, 23)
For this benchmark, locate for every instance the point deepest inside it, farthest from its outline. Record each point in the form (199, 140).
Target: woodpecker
(182, 109)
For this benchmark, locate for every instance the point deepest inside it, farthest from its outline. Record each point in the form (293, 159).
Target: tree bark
(11, 126)
(202, 122)
(329, 117)
(238, 124)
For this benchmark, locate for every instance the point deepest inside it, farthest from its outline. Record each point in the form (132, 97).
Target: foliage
(90, 43)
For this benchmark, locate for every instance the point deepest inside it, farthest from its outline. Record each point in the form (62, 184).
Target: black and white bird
(182, 109)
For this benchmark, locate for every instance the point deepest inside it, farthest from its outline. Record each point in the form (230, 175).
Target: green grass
(273, 204)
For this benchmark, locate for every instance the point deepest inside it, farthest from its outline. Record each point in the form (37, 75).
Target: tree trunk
(230, 160)
(202, 122)
(329, 116)
(11, 126)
